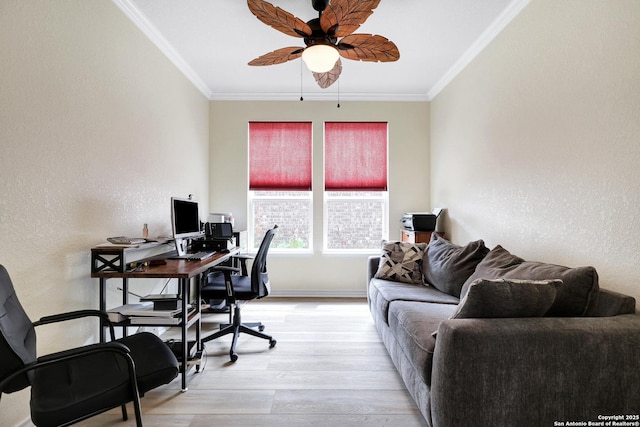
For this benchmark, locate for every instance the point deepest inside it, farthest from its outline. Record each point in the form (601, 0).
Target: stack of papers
(143, 313)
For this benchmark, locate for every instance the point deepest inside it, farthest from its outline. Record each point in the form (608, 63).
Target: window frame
(297, 193)
(327, 198)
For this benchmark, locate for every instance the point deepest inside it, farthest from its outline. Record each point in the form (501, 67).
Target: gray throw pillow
(447, 266)
(580, 284)
(401, 262)
(507, 298)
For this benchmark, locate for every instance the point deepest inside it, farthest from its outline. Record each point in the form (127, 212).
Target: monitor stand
(182, 246)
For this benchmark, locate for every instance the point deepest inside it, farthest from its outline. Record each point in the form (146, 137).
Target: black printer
(420, 221)
(218, 237)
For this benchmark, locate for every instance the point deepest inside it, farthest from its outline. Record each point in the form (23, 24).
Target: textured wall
(97, 131)
(408, 179)
(536, 144)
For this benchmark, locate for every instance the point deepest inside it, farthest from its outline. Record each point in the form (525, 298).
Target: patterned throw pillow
(401, 262)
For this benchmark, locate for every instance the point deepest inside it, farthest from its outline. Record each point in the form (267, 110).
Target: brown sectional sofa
(485, 338)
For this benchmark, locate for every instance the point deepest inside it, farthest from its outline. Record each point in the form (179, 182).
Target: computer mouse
(225, 251)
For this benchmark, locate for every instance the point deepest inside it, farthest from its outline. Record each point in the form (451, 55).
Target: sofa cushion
(402, 262)
(383, 292)
(447, 266)
(507, 298)
(412, 323)
(580, 284)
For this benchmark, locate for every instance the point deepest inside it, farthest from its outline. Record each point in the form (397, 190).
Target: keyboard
(199, 256)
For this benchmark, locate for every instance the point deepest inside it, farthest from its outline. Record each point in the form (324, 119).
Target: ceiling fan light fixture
(320, 58)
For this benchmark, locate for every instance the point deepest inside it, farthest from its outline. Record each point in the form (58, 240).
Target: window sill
(343, 252)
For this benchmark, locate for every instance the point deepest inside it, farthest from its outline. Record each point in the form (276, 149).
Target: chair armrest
(76, 353)
(61, 317)
(534, 371)
(227, 271)
(243, 262)
(84, 350)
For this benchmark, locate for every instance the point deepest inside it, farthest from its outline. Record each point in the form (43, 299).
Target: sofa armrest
(534, 371)
(610, 303)
(372, 266)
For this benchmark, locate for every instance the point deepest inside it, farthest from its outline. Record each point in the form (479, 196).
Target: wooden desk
(182, 270)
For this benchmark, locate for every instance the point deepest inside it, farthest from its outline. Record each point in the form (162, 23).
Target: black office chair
(221, 284)
(72, 385)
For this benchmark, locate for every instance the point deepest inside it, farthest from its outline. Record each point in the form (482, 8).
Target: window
(355, 214)
(280, 171)
(355, 186)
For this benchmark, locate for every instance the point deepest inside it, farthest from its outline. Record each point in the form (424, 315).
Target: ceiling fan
(327, 38)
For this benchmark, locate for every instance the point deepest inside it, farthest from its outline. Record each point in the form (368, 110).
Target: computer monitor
(185, 221)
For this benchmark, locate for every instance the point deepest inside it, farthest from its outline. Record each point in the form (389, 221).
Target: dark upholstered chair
(75, 384)
(222, 284)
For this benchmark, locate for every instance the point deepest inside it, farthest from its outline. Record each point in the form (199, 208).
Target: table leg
(125, 300)
(197, 299)
(103, 306)
(184, 288)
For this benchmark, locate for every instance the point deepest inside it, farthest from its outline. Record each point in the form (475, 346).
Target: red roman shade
(280, 156)
(355, 156)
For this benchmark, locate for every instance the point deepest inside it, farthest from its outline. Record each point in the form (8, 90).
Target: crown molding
(325, 96)
(499, 24)
(141, 21)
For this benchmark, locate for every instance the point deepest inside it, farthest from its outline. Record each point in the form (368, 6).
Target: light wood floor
(329, 368)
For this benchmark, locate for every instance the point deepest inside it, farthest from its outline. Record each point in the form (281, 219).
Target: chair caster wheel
(234, 357)
(261, 328)
(272, 343)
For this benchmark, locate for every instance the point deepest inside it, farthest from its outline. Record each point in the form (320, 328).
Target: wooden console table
(182, 270)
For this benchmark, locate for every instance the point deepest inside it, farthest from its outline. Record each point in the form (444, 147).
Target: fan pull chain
(338, 93)
(301, 98)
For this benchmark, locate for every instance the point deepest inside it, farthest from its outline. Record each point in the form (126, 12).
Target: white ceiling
(211, 42)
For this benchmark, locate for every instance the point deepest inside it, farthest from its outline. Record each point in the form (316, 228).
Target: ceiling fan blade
(279, 19)
(368, 47)
(278, 56)
(343, 17)
(325, 80)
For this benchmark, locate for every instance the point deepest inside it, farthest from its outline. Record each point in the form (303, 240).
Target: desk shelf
(115, 258)
(192, 317)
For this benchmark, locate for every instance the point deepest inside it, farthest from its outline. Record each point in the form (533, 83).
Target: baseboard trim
(319, 294)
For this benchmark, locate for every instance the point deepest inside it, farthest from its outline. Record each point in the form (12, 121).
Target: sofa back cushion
(447, 266)
(507, 298)
(402, 262)
(579, 289)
